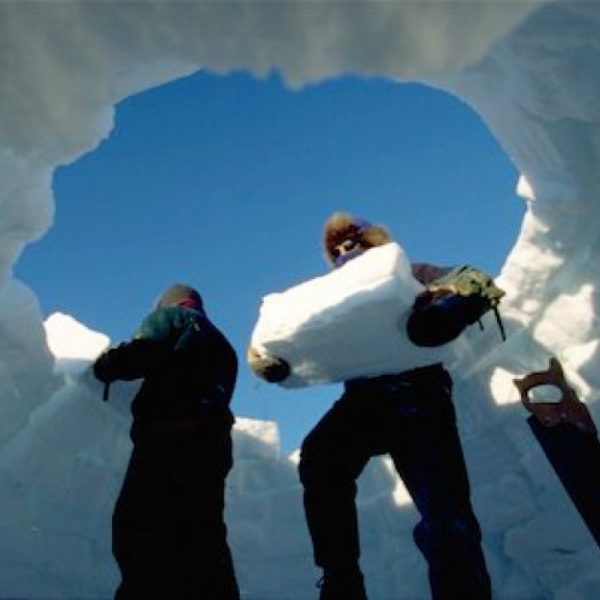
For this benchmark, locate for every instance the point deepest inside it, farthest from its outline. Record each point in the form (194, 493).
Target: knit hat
(341, 226)
(180, 294)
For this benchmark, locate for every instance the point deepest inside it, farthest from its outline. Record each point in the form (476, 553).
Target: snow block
(349, 323)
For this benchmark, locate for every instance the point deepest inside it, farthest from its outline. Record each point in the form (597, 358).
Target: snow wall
(528, 69)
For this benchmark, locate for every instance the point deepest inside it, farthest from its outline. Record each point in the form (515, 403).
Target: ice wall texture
(529, 69)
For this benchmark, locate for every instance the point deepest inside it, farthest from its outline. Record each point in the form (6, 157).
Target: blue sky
(224, 182)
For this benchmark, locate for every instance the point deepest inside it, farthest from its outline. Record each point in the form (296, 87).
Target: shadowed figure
(408, 415)
(169, 534)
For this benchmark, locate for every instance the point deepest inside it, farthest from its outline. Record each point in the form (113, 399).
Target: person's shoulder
(165, 314)
(175, 313)
(163, 320)
(186, 316)
(426, 273)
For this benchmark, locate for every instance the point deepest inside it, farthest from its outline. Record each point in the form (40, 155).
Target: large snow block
(346, 324)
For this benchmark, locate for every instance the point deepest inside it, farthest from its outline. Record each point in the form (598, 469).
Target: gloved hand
(270, 368)
(104, 365)
(449, 304)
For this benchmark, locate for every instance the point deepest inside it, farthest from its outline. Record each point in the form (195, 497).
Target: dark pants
(169, 536)
(411, 417)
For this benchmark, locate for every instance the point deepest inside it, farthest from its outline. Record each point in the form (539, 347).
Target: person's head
(347, 236)
(180, 294)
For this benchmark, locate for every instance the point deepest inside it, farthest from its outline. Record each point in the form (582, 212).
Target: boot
(342, 583)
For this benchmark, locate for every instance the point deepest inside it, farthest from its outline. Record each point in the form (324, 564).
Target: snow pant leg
(332, 457)
(134, 542)
(169, 536)
(429, 458)
(204, 568)
(205, 562)
(228, 588)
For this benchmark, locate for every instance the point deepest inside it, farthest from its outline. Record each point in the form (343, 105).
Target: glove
(449, 304)
(104, 367)
(269, 368)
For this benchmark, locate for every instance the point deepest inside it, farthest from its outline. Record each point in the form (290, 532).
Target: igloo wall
(528, 69)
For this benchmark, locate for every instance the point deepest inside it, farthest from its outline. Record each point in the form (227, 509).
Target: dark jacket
(188, 367)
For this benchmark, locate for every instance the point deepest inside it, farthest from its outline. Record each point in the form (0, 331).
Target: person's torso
(197, 372)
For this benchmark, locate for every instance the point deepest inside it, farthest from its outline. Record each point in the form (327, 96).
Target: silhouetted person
(169, 535)
(411, 417)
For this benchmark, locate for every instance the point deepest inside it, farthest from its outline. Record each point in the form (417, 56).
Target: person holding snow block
(408, 415)
(169, 535)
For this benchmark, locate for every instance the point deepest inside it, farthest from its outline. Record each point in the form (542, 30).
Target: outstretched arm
(140, 356)
(128, 361)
